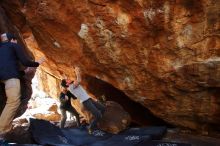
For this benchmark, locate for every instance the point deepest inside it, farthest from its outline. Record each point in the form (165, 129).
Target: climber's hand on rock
(41, 60)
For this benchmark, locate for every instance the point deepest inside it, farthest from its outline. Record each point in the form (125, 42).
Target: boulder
(114, 120)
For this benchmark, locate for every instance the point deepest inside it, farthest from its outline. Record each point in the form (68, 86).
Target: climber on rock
(11, 53)
(96, 108)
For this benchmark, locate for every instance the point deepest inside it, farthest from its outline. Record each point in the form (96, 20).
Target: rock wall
(163, 54)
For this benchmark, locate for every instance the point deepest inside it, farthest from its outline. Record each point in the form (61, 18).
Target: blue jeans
(97, 110)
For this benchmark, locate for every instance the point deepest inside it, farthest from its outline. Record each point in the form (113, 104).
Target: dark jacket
(65, 104)
(10, 55)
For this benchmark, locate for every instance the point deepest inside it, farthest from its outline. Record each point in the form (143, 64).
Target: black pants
(97, 109)
(72, 111)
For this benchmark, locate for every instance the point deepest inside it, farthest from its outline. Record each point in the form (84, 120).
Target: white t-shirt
(79, 92)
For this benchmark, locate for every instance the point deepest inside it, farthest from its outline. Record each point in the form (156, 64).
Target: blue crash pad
(80, 136)
(45, 133)
(162, 143)
(122, 140)
(156, 133)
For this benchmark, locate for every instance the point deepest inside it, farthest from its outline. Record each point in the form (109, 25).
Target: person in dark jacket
(65, 105)
(10, 54)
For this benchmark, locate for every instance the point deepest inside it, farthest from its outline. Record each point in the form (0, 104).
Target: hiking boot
(1, 137)
(90, 131)
(3, 141)
(78, 124)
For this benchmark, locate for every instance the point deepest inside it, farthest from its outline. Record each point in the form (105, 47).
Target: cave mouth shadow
(140, 115)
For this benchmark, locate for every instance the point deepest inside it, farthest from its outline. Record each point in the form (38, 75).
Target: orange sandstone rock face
(162, 54)
(50, 115)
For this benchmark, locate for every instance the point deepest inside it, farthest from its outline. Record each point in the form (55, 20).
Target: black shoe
(90, 131)
(78, 124)
(3, 143)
